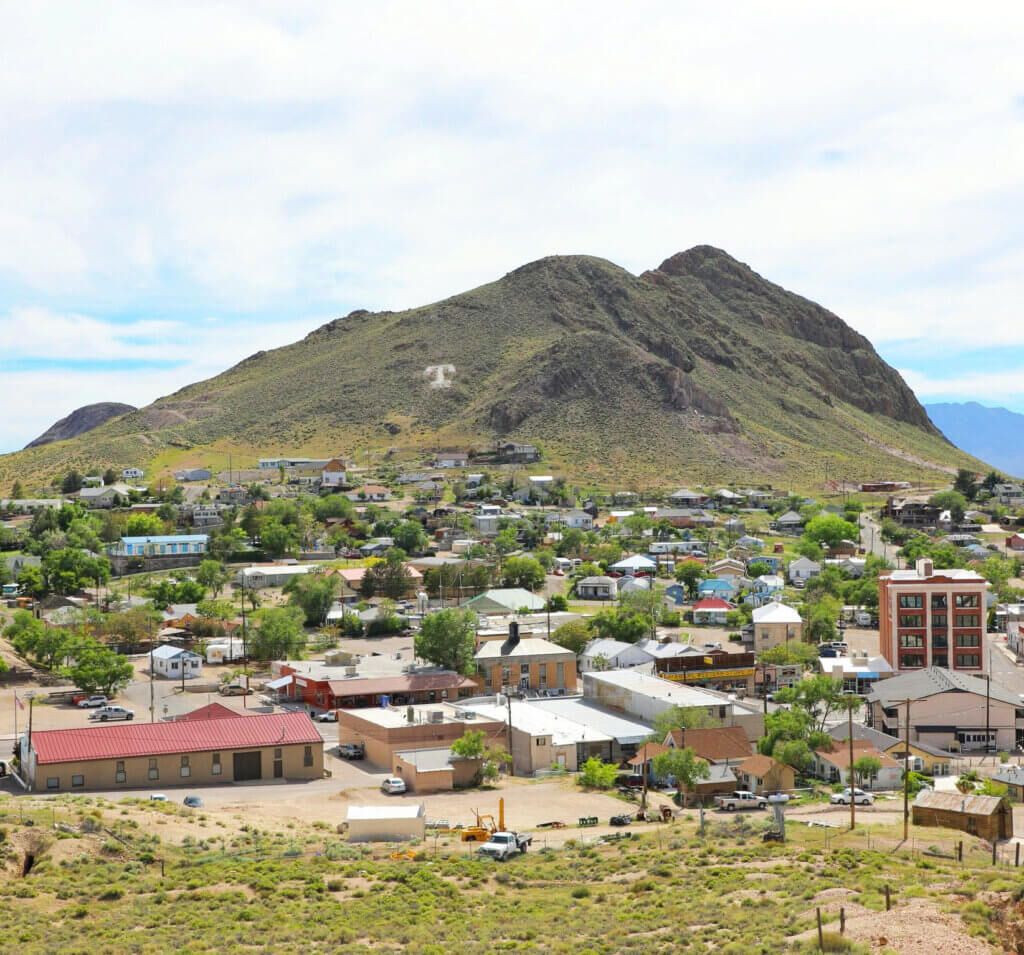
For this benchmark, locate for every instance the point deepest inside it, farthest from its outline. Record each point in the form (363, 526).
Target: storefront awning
(280, 682)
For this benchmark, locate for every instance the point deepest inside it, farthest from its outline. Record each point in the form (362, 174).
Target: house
(923, 758)
(751, 543)
(132, 474)
(102, 496)
(173, 663)
(612, 654)
(636, 564)
(716, 587)
(394, 822)
(369, 492)
(774, 624)
(768, 585)
(721, 745)
(529, 663)
(504, 600)
(643, 696)
(929, 617)
(597, 588)
(711, 610)
(579, 519)
(772, 561)
(1009, 495)
(859, 674)
(911, 511)
(385, 731)
(735, 526)
(803, 569)
(762, 774)
(676, 593)
(452, 459)
(729, 568)
(950, 710)
(160, 545)
(193, 474)
(1011, 775)
(682, 517)
(259, 576)
(1015, 542)
(512, 452)
(987, 817)
(789, 523)
(138, 755)
(726, 498)
(435, 770)
(833, 765)
(333, 474)
(687, 498)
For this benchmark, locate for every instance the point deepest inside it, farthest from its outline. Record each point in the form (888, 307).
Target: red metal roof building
(191, 751)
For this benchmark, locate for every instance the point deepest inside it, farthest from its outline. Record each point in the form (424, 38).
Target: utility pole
(853, 811)
(245, 654)
(906, 774)
(152, 717)
(512, 758)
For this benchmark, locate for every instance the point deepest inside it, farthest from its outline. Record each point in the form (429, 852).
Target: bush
(581, 892)
(598, 775)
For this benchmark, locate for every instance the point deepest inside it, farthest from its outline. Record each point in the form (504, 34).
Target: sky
(183, 185)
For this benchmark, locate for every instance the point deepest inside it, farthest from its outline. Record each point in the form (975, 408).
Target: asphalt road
(871, 540)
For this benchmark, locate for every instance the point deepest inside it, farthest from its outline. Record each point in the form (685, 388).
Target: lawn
(141, 877)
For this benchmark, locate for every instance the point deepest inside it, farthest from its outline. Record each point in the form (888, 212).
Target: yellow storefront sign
(693, 675)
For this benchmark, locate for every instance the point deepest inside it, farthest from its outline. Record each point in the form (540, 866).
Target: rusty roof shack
(988, 817)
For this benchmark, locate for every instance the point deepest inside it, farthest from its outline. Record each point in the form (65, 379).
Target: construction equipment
(409, 854)
(485, 825)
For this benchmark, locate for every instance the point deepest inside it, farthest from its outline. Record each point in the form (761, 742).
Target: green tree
(70, 570)
(166, 592)
(144, 525)
(758, 569)
(685, 766)
(279, 635)
(472, 745)
(811, 549)
(690, 573)
(72, 482)
(17, 492)
(625, 625)
(387, 578)
(830, 529)
(574, 636)
(595, 774)
(216, 609)
(952, 501)
(212, 575)
(98, 669)
(822, 617)
(313, 593)
(278, 539)
(32, 583)
(866, 768)
(523, 572)
(817, 697)
(130, 627)
(793, 752)
(558, 603)
(448, 639)
(410, 537)
(788, 653)
(681, 718)
(964, 483)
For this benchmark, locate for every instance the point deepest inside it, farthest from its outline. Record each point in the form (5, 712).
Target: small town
(432, 652)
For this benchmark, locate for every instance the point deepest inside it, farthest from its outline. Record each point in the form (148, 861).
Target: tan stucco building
(775, 624)
(435, 770)
(528, 663)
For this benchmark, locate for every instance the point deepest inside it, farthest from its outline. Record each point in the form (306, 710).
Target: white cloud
(217, 159)
(1004, 388)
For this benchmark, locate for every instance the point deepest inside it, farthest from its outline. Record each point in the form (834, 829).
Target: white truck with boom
(504, 845)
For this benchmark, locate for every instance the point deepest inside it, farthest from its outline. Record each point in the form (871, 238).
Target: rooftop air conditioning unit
(435, 716)
(350, 671)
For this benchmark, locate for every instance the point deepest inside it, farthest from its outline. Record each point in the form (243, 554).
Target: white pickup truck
(740, 799)
(504, 845)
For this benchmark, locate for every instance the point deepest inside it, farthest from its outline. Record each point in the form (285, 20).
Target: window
(174, 664)
(277, 753)
(911, 602)
(967, 620)
(77, 782)
(561, 674)
(908, 660)
(967, 640)
(524, 669)
(939, 621)
(154, 772)
(186, 769)
(506, 676)
(911, 620)
(53, 782)
(966, 601)
(913, 641)
(543, 671)
(119, 774)
(307, 756)
(938, 601)
(940, 660)
(215, 769)
(940, 641)
(968, 660)
(540, 740)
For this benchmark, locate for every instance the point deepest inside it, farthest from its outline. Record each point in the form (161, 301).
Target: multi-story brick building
(929, 617)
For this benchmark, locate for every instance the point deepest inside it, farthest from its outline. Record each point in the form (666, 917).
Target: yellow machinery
(485, 825)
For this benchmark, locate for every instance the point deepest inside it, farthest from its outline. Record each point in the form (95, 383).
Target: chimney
(924, 567)
(513, 635)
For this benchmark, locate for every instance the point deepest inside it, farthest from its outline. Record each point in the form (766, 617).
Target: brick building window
(968, 660)
(911, 602)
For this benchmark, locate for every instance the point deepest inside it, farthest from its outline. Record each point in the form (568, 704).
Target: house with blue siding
(161, 545)
(716, 587)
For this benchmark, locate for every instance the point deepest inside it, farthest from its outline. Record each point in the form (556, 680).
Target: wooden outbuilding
(988, 817)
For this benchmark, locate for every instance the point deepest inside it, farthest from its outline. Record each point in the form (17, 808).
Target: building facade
(929, 617)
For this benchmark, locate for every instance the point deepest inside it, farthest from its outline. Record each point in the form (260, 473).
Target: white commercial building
(395, 822)
(270, 575)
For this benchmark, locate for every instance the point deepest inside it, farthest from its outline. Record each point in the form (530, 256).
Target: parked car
(352, 751)
(331, 716)
(105, 713)
(158, 797)
(193, 802)
(860, 797)
(91, 701)
(504, 845)
(234, 689)
(393, 786)
(740, 799)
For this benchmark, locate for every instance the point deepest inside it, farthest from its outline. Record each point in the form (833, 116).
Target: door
(247, 766)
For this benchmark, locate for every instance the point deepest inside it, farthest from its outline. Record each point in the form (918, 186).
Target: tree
(788, 653)
(964, 483)
(681, 718)
(805, 547)
(952, 501)
(595, 774)
(822, 616)
(523, 572)
(830, 529)
(110, 476)
(387, 578)
(314, 593)
(574, 636)
(69, 570)
(131, 627)
(448, 639)
(32, 583)
(866, 768)
(277, 538)
(471, 745)
(625, 625)
(504, 543)
(690, 573)
(31, 638)
(166, 592)
(212, 575)
(991, 480)
(100, 670)
(410, 536)
(817, 697)
(279, 634)
(72, 482)
(685, 766)
(17, 492)
(758, 569)
(557, 603)
(793, 752)
(216, 609)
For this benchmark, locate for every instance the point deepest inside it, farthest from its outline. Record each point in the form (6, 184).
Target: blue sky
(183, 185)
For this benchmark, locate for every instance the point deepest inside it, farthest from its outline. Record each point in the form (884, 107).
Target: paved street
(871, 540)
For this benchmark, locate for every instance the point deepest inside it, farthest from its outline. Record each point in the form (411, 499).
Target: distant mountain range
(995, 435)
(80, 421)
(697, 370)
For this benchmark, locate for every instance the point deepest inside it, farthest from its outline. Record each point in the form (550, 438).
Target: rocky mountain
(699, 369)
(995, 435)
(80, 421)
